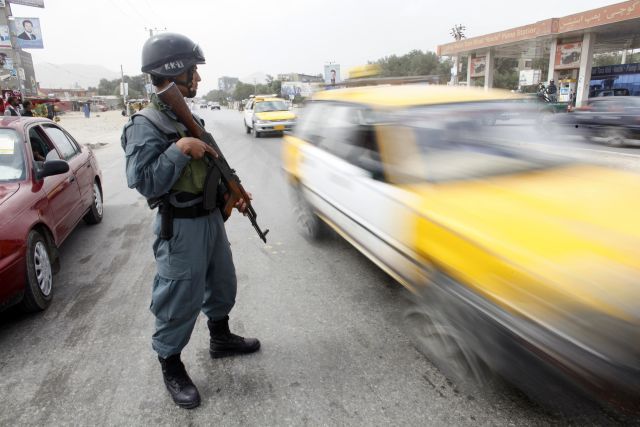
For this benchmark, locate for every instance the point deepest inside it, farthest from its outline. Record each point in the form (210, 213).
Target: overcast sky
(275, 36)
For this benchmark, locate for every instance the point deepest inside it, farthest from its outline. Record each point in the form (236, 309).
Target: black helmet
(169, 55)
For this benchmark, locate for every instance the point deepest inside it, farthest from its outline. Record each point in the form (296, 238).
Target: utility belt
(178, 205)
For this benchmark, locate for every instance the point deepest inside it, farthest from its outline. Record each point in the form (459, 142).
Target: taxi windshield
(12, 166)
(265, 106)
(472, 140)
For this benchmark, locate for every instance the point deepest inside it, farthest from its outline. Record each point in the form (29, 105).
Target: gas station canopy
(569, 42)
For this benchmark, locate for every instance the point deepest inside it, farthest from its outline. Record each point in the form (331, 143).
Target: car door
(344, 180)
(79, 166)
(248, 113)
(61, 191)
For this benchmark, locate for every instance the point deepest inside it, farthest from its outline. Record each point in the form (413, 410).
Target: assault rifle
(172, 96)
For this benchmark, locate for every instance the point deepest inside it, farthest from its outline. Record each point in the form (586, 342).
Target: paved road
(334, 351)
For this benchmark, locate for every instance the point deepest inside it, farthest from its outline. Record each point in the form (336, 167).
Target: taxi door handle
(72, 178)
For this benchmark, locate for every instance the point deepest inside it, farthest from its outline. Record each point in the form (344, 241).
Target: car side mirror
(53, 167)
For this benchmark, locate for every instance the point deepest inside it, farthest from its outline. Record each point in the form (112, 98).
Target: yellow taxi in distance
(266, 114)
(522, 259)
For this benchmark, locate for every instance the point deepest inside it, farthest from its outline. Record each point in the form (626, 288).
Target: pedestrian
(11, 107)
(195, 270)
(86, 108)
(26, 109)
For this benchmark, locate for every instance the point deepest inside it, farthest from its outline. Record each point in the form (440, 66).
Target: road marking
(610, 152)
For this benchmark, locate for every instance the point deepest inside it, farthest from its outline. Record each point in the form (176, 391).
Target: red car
(48, 183)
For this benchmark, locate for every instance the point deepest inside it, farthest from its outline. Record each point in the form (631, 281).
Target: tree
(414, 63)
(217, 95)
(505, 74)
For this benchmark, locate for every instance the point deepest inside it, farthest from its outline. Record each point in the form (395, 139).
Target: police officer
(195, 269)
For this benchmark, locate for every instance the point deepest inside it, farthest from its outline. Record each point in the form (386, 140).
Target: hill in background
(70, 76)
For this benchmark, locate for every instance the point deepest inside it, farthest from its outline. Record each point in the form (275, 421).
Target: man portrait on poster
(28, 34)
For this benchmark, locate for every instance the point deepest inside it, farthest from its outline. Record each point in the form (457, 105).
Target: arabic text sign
(509, 36)
(604, 15)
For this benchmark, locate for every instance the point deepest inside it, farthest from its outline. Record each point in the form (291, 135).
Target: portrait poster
(5, 38)
(332, 74)
(28, 33)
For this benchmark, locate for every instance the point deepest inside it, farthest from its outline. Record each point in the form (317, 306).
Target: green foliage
(217, 96)
(615, 58)
(112, 87)
(244, 90)
(415, 63)
(505, 74)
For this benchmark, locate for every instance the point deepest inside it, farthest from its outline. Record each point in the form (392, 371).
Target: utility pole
(148, 77)
(124, 91)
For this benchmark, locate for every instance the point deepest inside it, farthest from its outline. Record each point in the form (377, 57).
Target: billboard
(568, 55)
(28, 33)
(34, 3)
(28, 75)
(5, 38)
(291, 89)
(478, 66)
(332, 74)
(6, 65)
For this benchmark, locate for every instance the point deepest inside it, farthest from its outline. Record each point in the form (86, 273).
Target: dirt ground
(98, 130)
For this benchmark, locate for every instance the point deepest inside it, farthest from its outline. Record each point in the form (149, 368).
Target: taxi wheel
(39, 285)
(308, 222)
(94, 216)
(441, 342)
(247, 129)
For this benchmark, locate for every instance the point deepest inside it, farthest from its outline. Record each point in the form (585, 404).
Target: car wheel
(615, 137)
(94, 215)
(39, 286)
(256, 134)
(307, 220)
(247, 128)
(443, 344)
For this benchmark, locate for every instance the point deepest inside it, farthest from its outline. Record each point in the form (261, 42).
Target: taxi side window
(350, 137)
(311, 124)
(67, 148)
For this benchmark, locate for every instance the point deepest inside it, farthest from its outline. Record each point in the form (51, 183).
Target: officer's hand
(195, 148)
(241, 205)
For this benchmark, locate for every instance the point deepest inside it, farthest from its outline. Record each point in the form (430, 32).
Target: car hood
(575, 229)
(275, 115)
(7, 190)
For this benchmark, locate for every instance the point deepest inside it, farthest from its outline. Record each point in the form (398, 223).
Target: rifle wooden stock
(172, 96)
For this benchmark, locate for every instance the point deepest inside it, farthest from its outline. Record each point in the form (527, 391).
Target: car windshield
(470, 141)
(12, 166)
(264, 106)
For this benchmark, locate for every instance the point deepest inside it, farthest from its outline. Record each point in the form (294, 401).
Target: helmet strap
(188, 83)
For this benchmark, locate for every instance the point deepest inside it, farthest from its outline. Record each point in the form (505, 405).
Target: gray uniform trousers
(195, 272)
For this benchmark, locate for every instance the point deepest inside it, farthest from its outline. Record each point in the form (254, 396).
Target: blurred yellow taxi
(522, 258)
(266, 114)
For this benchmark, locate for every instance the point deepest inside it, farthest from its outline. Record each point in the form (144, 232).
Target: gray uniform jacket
(153, 164)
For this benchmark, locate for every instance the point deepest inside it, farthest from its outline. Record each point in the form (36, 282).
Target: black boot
(223, 343)
(182, 390)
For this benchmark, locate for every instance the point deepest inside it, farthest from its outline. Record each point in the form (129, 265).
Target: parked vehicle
(267, 114)
(612, 120)
(522, 262)
(48, 183)
(214, 105)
